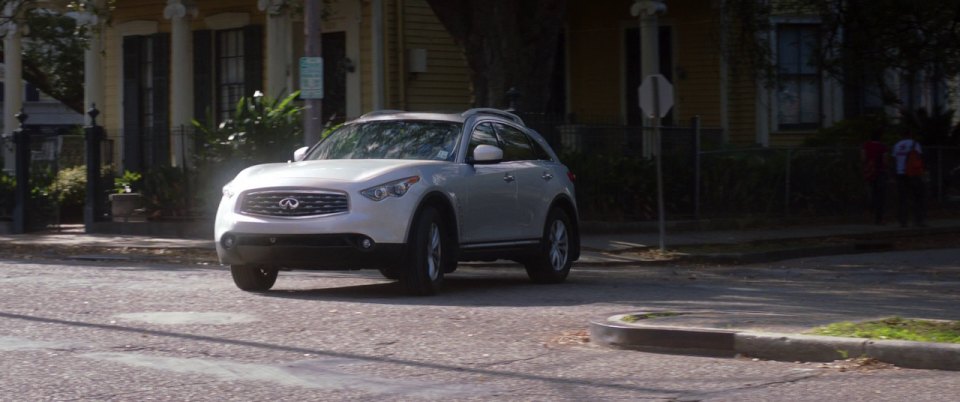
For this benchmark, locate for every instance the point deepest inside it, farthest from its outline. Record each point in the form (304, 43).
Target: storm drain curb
(772, 346)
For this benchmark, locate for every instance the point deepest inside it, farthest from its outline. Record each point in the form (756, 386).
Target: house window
(230, 72)
(227, 65)
(798, 78)
(146, 84)
(146, 100)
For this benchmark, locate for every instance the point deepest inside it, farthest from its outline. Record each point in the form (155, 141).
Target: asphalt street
(81, 330)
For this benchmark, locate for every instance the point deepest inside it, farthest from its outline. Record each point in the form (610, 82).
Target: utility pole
(313, 47)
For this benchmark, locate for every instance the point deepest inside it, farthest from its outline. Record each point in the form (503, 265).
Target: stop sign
(660, 103)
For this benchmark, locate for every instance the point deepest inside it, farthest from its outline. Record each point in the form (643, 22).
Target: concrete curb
(771, 346)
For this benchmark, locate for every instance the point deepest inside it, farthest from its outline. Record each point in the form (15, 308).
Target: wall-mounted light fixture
(417, 61)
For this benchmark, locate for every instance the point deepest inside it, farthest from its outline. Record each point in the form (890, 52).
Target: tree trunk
(507, 44)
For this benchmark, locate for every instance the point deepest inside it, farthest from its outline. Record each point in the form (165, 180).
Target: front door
(490, 195)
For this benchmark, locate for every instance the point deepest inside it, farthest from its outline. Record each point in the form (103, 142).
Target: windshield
(391, 139)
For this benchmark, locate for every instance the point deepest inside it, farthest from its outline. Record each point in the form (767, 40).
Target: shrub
(166, 192)
(7, 187)
(69, 188)
(128, 183)
(853, 131)
(260, 130)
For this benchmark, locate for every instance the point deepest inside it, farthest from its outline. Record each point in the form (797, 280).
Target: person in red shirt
(874, 155)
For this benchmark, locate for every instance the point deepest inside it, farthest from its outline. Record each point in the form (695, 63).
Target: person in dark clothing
(874, 155)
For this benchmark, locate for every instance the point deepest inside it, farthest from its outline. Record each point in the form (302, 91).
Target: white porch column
(13, 81)
(648, 10)
(279, 47)
(377, 54)
(93, 90)
(179, 12)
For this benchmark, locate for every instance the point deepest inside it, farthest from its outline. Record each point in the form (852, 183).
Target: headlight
(395, 188)
(228, 191)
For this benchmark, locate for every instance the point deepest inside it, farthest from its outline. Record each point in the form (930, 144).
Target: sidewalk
(770, 335)
(597, 248)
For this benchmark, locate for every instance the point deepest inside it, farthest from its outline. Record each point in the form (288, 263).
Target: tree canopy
(53, 46)
(507, 44)
(859, 39)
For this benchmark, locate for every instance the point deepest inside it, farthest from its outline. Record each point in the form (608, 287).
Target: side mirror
(299, 154)
(486, 155)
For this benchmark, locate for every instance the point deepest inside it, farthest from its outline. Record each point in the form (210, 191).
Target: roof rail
(486, 110)
(381, 112)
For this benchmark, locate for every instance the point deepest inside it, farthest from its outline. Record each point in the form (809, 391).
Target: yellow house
(158, 64)
(697, 54)
(163, 63)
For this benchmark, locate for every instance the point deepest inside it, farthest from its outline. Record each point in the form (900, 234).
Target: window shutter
(160, 143)
(131, 103)
(252, 59)
(202, 75)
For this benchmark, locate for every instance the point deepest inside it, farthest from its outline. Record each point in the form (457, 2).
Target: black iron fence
(615, 172)
(7, 183)
(704, 179)
(56, 180)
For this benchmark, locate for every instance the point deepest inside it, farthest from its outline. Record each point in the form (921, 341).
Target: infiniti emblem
(289, 203)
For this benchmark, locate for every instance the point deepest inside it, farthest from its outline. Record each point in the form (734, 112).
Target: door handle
(508, 178)
(547, 176)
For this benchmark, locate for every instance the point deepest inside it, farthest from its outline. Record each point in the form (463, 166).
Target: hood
(345, 170)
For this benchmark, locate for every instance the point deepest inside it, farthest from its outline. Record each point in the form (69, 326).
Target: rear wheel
(552, 262)
(428, 254)
(254, 278)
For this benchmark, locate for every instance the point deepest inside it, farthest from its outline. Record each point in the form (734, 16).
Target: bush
(7, 187)
(166, 192)
(747, 182)
(261, 130)
(69, 189)
(853, 132)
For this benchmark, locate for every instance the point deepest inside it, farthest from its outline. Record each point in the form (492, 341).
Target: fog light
(366, 243)
(228, 241)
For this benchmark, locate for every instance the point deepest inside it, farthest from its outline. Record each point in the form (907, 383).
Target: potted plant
(126, 205)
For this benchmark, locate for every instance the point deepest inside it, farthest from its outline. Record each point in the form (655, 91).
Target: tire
(429, 252)
(253, 278)
(553, 260)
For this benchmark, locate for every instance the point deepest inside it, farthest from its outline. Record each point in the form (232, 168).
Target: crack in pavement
(793, 378)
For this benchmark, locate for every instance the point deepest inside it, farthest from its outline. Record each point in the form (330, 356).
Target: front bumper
(308, 251)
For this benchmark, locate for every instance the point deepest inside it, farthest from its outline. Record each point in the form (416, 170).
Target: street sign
(655, 86)
(311, 77)
(656, 99)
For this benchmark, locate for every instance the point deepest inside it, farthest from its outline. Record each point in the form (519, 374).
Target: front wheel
(254, 278)
(429, 252)
(552, 262)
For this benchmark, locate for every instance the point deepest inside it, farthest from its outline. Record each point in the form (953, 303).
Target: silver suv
(410, 194)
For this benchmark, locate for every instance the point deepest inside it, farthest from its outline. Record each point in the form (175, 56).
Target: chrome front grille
(293, 203)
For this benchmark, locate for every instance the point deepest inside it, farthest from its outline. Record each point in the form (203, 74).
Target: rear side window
(516, 145)
(539, 151)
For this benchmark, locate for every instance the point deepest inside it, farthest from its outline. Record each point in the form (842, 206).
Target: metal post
(21, 140)
(786, 186)
(940, 174)
(93, 206)
(313, 47)
(659, 148)
(696, 167)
